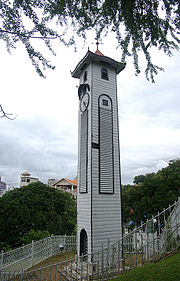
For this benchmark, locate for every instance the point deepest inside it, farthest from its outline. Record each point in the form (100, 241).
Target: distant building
(2, 188)
(67, 185)
(27, 179)
(51, 182)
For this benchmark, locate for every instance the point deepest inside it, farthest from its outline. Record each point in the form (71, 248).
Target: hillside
(167, 269)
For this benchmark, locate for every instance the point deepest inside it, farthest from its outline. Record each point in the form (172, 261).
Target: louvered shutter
(84, 152)
(106, 169)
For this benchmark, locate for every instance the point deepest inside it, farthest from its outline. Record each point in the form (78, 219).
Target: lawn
(167, 269)
(49, 269)
(53, 260)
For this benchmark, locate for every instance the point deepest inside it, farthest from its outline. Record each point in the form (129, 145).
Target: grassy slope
(167, 269)
(53, 260)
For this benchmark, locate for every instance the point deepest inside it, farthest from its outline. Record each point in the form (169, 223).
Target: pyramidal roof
(99, 53)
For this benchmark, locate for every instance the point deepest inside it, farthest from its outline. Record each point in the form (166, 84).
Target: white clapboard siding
(106, 215)
(98, 194)
(84, 199)
(84, 153)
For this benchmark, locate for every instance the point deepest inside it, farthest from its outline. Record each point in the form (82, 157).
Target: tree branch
(27, 36)
(4, 114)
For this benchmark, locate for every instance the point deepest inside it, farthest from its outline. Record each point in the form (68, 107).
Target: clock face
(84, 102)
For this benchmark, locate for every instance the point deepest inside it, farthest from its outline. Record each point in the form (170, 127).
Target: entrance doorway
(83, 243)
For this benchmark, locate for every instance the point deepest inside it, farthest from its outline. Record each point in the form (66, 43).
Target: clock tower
(99, 190)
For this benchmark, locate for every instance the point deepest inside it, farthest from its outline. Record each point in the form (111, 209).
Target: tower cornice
(90, 56)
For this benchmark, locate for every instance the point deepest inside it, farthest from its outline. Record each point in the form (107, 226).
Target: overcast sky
(43, 137)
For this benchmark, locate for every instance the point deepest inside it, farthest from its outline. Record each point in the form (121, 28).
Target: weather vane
(97, 42)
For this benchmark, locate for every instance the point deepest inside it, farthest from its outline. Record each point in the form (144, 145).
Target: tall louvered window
(106, 169)
(85, 76)
(84, 152)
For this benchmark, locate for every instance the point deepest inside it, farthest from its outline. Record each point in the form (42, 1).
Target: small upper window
(85, 76)
(104, 74)
(105, 102)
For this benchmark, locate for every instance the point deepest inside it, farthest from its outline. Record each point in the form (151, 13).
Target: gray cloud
(149, 122)
(43, 138)
(36, 146)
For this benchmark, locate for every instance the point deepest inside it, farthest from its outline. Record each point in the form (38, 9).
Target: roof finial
(97, 52)
(97, 43)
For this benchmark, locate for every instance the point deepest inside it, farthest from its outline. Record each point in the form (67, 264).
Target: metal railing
(31, 254)
(148, 242)
(156, 237)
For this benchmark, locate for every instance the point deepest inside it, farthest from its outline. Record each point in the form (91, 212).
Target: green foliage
(38, 207)
(167, 269)
(139, 179)
(155, 193)
(34, 236)
(126, 187)
(5, 247)
(138, 25)
(74, 230)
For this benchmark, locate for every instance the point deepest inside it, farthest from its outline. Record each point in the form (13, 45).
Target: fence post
(22, 273)
(147, 241)
(136, 248)
(176, 216)
(102, 262)
(51, 245)
(108, 248)
(119, 257)
(1, 261)
(108, 258)
(165, 230)
(65, 243)
(158, 234)
(32, 252)
(142, 243)
(153, 245)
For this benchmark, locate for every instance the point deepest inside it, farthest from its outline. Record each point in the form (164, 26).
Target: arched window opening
(104, 74)
(83, 243)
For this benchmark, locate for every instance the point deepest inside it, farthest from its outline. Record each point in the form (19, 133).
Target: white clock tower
(99, 191)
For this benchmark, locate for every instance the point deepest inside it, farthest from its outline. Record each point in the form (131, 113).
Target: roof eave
(91, 56)
(80, 66)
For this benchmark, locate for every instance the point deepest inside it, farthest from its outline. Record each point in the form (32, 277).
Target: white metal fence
(31, 254)
(157, 236)
(149, 241)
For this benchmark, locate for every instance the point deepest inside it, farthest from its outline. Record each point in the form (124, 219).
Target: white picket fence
(148, 242)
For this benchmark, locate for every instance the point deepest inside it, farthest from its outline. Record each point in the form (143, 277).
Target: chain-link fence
(31, 254)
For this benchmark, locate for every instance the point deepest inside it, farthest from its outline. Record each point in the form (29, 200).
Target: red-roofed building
(67, 185)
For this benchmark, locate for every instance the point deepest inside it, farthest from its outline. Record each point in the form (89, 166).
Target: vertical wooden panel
(106, 169)
(84, 152)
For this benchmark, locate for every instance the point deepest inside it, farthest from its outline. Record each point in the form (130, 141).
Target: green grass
(168, 269)
(53, 260)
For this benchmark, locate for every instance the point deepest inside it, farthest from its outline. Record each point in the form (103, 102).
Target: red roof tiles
(98, 53)
(74, 182)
